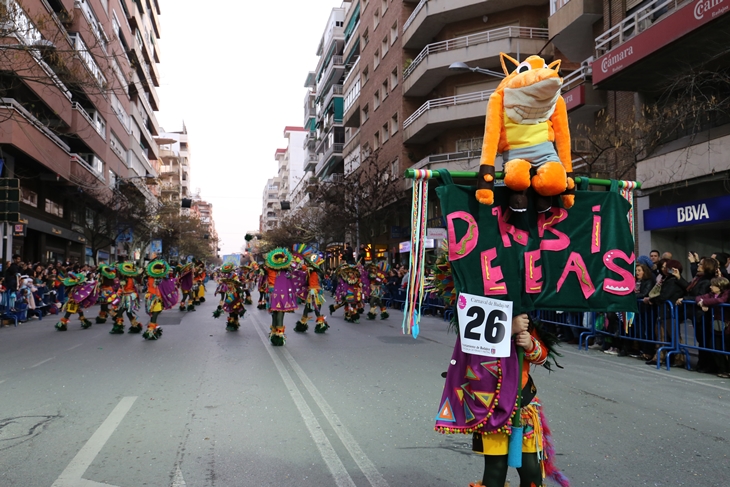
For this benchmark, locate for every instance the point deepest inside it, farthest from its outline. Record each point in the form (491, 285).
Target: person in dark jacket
(673, 286)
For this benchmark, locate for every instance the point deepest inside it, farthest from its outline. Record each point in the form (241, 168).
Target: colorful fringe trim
(414, 293)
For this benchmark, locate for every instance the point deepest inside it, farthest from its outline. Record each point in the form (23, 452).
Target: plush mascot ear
(502, 57)
(555, 65)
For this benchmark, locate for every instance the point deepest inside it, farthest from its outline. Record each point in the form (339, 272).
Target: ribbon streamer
(414, 292)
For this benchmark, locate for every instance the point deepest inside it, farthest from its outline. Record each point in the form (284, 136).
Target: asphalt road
(204, 407)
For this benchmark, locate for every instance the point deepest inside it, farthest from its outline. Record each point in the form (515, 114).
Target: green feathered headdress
(279, 258)
(108, 271)
(158, 269)
(128, 269)
(71, 279)
(228, 267)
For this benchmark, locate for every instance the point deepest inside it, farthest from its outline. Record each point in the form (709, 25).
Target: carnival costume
(185, 281)
(161, 294)
(81, 294)
(129, 299)
(248, 278)
(263, 287)
(107, 289)
(353, 288)
(314, 295)
(199, 283)
(376, 274)
(230, 289)
(281, 274)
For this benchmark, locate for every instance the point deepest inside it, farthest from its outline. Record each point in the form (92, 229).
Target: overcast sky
(234, 72)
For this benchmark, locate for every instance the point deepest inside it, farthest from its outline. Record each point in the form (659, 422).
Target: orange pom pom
(550, 180)
(517, 174)
(485, 196)
(568, 201)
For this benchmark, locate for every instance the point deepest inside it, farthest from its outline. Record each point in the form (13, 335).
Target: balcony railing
(12, 104)
(88, 59)
(641, 20)
(97, 126)
(576, 77)
(96, 27)
(352, 95)
(475, 39)
(334, 90)
(412, 17)
(447, 102)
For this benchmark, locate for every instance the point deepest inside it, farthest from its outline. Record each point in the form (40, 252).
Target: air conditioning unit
(580, 145)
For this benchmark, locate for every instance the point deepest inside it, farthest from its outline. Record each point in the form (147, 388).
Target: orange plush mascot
(527, 122)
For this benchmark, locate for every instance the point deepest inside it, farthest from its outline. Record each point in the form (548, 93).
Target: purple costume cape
(84, 294)
(479, 393)
(283, 297)
(186, 282)
(365, 280)
(170, 294)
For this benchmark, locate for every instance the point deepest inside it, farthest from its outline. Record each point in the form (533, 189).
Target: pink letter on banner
(506, 229)
(625, 286)
(596, 231)
(459, 250)
(575, 264)
(533, 273)
(492, 275)
(546, 223)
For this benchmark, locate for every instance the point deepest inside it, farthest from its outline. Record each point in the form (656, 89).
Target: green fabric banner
(580, 259)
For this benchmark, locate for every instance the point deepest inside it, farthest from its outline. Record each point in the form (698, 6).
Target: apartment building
(291, 166)
(271, 205)
(637, 50)
(78, 83)
(175, 165)
(204, 211)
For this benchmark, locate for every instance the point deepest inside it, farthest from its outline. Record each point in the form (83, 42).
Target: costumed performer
(314, 298)
(282, 294)
(263, 287)
(107, 288)
(161, 294)
(199, 283)
(185, 281)
(349, 292)
(377, 275)
(248, 276)
(231, 292)
(81, 295)
(129, 276)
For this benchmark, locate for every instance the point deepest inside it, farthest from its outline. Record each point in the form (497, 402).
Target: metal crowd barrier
(703, 331)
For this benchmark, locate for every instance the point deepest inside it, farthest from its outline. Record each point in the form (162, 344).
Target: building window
(339, 23)
(376, 100)
(376, 19)
(376, 141)
(29, 197)
(393, 33)
(384, 46)
(394, 123)
(464, 145)
(384, 89)
(112, 178)
(386, 133)
(384, 5)
(365, 113)
(376, 59)
(395, 168)
(365, 75)
(394, 78)
(365, 38)
(54, 208)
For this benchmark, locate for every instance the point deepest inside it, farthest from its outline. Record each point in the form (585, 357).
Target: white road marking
(41, 363)
(178, 481)
(367, 467)
(75, 346)
(71, 477)
(334, 464)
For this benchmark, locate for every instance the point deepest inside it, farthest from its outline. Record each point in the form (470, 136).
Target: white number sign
(485, 325)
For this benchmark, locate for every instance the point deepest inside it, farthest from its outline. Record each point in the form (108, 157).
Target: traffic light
(9, 199)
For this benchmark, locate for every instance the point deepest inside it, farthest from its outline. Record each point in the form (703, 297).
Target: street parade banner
(580, 259)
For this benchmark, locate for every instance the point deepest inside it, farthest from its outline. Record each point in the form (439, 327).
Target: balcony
(431, 66)
(88, 60)
(331, 74)
(352, 103)
(331, 156)
(335, 90)
(435, 116)
(25, 132)
(310, 163)
(455, 161)
(430, 16)
(93, 133)
(642, 51)
(571, 26)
